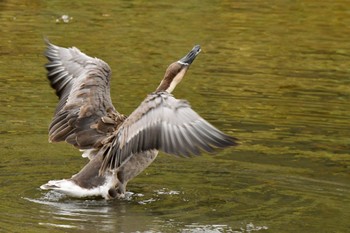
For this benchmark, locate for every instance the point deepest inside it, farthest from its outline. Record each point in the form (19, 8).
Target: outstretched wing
(85, 114)
(164, 123)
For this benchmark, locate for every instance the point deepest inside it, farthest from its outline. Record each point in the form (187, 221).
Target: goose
(120, 147)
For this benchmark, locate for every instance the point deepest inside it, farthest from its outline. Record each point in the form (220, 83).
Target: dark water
(275, 74)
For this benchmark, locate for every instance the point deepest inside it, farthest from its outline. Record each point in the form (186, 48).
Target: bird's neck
(171, 80)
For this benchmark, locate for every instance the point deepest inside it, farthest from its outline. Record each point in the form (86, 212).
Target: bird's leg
(121, 185)
(134, 166)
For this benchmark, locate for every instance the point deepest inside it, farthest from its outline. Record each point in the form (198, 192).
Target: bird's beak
(189, 58)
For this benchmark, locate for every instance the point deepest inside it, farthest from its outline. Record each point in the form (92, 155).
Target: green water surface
(275, 74)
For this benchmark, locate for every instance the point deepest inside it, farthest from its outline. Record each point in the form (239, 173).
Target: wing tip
(233, 141)
(48, 43)
(46, 40)
(228, 141)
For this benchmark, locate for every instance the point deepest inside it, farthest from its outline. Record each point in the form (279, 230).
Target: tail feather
(70, 188)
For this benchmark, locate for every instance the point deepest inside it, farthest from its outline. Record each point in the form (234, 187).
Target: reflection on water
(107, 217)
(74, 213)
(273, 74)
(221, 228)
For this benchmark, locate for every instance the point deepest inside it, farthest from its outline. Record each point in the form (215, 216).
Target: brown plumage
(120, 147)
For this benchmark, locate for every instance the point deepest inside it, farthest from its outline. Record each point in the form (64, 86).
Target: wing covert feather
(85, 114)
(164, 123)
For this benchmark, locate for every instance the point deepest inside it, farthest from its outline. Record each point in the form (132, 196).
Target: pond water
(275, 74)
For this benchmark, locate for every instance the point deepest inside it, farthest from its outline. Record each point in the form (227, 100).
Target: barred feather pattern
(163, 123)
(85, 114)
